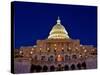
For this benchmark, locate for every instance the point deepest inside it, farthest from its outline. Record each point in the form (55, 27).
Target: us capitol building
(56, 53)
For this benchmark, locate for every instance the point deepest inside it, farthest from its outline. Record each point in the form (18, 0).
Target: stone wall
(22, 66)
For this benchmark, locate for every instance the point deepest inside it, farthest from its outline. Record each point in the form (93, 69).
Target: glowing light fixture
(32, 49)
(20, 52)
(31, 52)
(85, 50)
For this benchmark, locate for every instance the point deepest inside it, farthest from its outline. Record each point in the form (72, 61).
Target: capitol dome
(58, 31)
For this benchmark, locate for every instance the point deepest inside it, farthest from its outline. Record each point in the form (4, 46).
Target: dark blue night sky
(33, 21)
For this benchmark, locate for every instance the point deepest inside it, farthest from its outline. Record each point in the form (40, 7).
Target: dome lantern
(58, 21)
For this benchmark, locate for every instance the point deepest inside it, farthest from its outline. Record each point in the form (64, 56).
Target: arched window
(84, 65)
(74, 57)
(54, 50)
(59, 68)
(73, 67)
(33, 68)
(48, 50)
(93, 53)
(38, 68)
(67, 57)
(62, 51)
(43, 58)
(66, 67)
(35, 57)
(59, 58)
(52, 68)
(50, 58)
(79, 66)
(45, 68)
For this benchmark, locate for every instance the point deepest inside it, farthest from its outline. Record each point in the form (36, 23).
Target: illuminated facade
(58, 52)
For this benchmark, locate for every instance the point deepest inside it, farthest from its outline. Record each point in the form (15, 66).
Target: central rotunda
(58, 31)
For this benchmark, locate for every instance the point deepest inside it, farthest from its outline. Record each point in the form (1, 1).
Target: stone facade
(57, 54)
